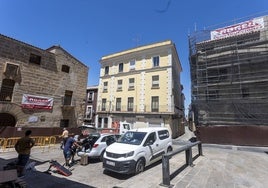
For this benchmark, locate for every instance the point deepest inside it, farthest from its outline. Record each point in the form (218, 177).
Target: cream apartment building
(141, 86)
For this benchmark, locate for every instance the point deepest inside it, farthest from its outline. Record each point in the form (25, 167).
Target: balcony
(68, 103)
(88, 116)
(135, 109)
(90, 99)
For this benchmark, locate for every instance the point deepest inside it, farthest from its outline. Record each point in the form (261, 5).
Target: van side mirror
(150, 142)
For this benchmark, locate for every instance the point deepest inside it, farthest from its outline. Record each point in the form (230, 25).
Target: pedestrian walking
(64, 136)
(23, 148)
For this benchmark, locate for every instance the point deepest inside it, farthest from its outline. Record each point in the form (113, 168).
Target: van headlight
(129, 154)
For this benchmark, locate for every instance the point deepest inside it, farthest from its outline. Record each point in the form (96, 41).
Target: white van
(136, 149)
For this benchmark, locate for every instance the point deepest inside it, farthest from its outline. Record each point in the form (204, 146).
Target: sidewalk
(227, 168)
(218, 167)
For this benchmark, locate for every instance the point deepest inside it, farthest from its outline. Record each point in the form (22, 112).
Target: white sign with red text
(255, 24)
(36, 102)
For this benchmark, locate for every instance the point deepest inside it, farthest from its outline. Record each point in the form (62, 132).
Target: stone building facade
(40, 88)
(91, 105)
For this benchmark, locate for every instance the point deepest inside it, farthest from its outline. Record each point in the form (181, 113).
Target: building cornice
(137, 49)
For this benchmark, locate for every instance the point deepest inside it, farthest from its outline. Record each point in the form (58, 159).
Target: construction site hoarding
(229, 79)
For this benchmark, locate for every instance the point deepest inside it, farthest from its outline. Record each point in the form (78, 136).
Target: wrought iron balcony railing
(136, 109)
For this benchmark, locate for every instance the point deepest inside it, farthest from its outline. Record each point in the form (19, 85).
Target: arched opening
(7, 120)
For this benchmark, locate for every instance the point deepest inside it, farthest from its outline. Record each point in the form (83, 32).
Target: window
(105, 86)
(6, 92)
(65, 68)
(67, 98)
(133, 138)
(109, 139)
(150, 139)
(36, 59)
(90, 96)
(106, 70)
(64, 123)
(156, 61)
(103, 105)
(99, 122)
(89, 109)
(121, 67)
(119, 85)
(155, 81)
(11, 70)
(89, 112)
(163, 134)
(155, 104)
(130, 102)
(131, 83)
(118, 104)
(132, 65)
(105, 122)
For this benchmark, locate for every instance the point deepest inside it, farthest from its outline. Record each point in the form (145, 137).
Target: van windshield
(131, 137)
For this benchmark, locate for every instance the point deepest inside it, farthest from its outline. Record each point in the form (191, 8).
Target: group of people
(69, 145)
(24, 144)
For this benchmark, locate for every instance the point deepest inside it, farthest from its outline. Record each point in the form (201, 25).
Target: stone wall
(45, 79)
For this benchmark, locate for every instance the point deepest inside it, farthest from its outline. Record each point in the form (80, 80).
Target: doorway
(7, 119)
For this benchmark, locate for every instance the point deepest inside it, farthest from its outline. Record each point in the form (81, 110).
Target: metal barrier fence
(1, 142)
(188, 156)
(49, 141)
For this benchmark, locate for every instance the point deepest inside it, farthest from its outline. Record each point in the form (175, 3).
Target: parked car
(137, 149)
(95, 144)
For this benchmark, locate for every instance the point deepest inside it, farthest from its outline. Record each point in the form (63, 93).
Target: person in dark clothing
(68, 150)
(23, 148)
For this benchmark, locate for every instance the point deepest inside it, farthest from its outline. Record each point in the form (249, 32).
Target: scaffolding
(229, 74)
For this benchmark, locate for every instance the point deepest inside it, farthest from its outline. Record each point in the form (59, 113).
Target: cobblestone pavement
(220, 166)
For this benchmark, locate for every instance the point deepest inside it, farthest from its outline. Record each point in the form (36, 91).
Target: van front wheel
(139, 166)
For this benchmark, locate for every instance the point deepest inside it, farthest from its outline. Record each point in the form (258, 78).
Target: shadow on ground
(39, 179)
(44, 180)
(127, 176)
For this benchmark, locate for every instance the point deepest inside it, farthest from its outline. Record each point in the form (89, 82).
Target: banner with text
(36, 102)
(238, 29)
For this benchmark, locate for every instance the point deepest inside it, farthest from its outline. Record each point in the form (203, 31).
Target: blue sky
(90, 29)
